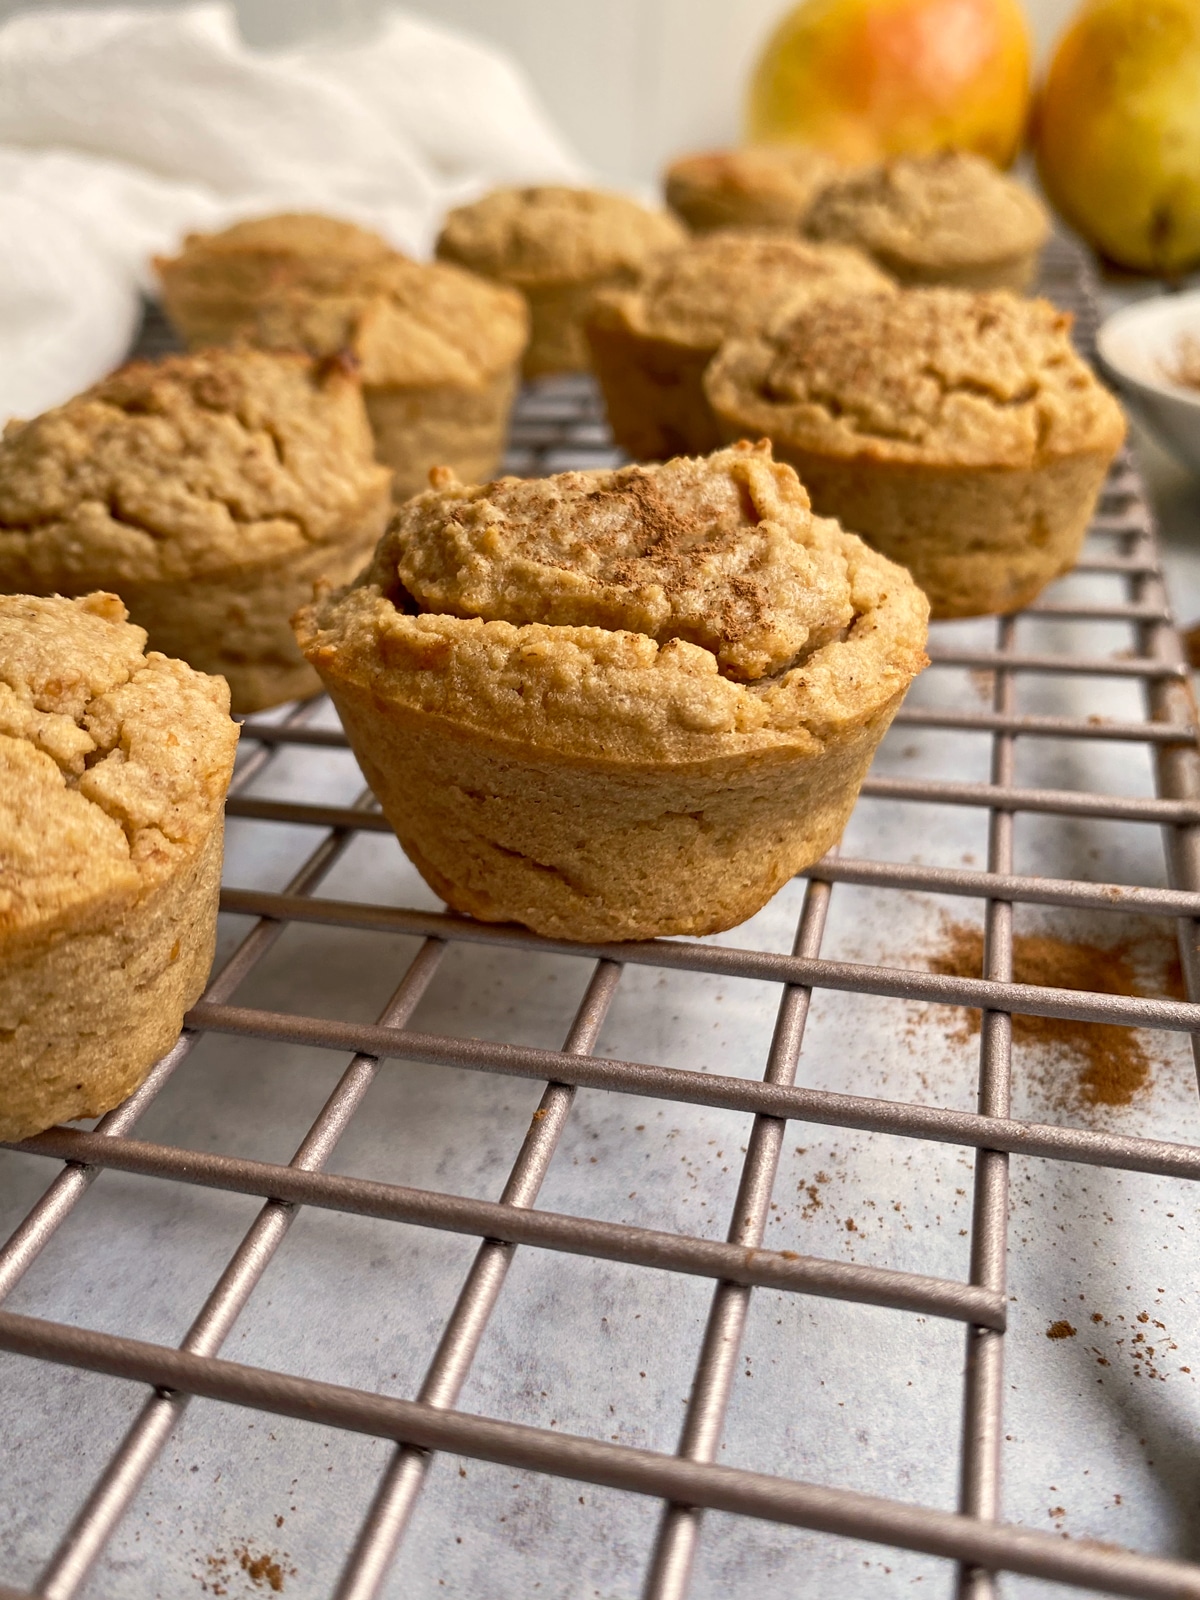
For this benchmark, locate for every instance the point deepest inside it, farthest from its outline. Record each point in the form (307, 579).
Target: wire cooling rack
(96, 1470)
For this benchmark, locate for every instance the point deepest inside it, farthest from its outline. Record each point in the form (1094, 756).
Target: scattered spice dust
(1108, 1066)
(267, 1570)
(262, 1570)
(1061, 1330)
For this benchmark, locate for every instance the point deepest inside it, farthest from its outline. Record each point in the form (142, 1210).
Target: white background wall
(634, 81)
(629, 81)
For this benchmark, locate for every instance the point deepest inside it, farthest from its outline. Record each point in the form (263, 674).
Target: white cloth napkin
(123, 128)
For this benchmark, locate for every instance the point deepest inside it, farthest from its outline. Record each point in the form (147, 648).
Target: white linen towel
(123, 128)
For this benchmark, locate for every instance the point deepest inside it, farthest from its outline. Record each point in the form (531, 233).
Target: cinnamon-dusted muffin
(218, 280)
(558, 246)
(950, 218)
(113, 771)
(758, 186)
(438, 351)
(958, 433)
(650, 344)
(210, 491)
(613, 705)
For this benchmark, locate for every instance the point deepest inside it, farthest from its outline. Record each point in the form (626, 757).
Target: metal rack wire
(559, 425)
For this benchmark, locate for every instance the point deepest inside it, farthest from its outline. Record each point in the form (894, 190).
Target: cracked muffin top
(734, 283)
(405, 323)
(113, 763)
(682, 611)
(195, 464)
(920, 214)
(923, 375)
(758, 186)
(554, 234)
(218, 279)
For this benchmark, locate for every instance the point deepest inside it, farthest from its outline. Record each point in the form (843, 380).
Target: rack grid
(557, 425)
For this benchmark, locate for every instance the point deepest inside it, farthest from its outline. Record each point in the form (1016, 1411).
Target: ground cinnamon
(1088, 1063)
(261, 1569)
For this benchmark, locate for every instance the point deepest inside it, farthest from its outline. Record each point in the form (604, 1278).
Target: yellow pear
(1118, 131)
(866, 79)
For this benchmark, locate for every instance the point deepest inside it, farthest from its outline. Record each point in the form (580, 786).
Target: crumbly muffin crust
(114, 770)
(437, 349)
(558, 246)
(706, 580)
(667, 554)
(118, 760)
(218, 279)
(651, 343)
(190, 465)
(944, 218)
(727, 285)
(959, 433)
(613, 704)
(757, 186)
(929, 375)
(203, 488)
(552, 233)
(405, 323)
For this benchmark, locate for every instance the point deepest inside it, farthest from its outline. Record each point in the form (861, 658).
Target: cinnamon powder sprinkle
(261, 1569)
(1105, 1065)
(1061, 1330)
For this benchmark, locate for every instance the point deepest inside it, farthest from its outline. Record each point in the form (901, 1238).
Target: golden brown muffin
(758, 186)
(438, 351)
(558, 246)
(950, 218)
(113, 771)
(958, 433)
(209, 490)
(218, 280)
(614, 705)
(651, 344)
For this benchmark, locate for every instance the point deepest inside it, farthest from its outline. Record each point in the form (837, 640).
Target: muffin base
(84, 1017)
(417, 429)
(654, 392)
(557, 316)
(237, 623)
(1009, 272)
(978, 540)
(595, 851)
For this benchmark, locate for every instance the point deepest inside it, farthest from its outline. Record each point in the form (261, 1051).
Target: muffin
(950, 218)
(210, 491)
(650, 344)
(614, 705)
(114, 769)
(758, 186)
(438, 352)
(959, 433)
(218, 280)
(558, 246)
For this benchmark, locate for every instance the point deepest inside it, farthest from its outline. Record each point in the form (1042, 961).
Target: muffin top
(195, 464)
(404, 323)
(758, 186)
(921, 213)
(728, 284)
(554, 234)
(923, 375)
(686, 611)
(217, 279)
(113, 764)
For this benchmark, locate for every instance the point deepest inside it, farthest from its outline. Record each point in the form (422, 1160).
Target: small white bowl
(1138, 347)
